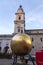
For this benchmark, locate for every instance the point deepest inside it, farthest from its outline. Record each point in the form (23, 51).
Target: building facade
(19, 27)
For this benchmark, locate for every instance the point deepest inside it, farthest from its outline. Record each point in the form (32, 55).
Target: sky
(33, 14)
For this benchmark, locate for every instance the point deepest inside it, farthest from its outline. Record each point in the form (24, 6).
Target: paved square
(10, 61)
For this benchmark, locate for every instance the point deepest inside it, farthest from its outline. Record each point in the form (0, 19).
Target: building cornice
(6, 35)
(34, 30)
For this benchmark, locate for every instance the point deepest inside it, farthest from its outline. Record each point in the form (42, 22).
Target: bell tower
(19, 22)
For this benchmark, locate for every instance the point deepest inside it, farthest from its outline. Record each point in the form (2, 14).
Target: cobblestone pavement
(6, 61)
(10, 61)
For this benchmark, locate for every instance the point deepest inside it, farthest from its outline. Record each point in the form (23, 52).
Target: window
(42, 46)
(21, 31)
(32, 39)
(18, 30)
(41, 39)
(6, 49)
(32, 46)
(0, 44)
(19, 17)
(7, 44)
(0, 48)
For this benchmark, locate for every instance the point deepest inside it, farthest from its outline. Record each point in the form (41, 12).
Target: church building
(19, 27)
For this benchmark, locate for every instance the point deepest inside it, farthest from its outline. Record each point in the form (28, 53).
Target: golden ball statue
(21, 44)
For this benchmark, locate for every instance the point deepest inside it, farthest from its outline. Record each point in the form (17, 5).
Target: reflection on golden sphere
(21, 44)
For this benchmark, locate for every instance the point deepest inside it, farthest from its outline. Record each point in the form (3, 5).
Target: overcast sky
(33, 14)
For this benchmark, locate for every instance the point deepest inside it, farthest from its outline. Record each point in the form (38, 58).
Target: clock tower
(19, 22)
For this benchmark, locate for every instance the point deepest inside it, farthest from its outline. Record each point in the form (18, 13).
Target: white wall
(5, 41)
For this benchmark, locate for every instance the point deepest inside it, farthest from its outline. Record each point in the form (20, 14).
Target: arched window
(41, 39)
(19, 17)
(32, 46)
(32, 39)
(6, 49)
(21, 31)
(18, 29)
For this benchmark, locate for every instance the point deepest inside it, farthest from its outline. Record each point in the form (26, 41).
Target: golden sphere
(21, 44)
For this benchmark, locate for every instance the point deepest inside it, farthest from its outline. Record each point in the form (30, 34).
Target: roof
(34, 32)
(20, 10)
(7, 35)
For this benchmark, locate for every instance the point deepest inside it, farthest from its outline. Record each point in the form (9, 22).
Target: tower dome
(20, 9)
